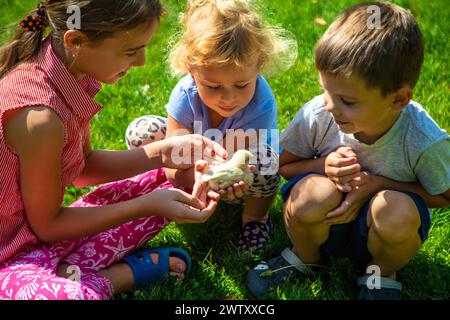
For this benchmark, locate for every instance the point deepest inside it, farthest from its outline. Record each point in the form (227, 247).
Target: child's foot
(121, 276)
(383, 288)
(255, 235)
(266, 276)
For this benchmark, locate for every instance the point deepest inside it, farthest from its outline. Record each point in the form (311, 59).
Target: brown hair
(100, 19)
(223, 32)
(386, 57)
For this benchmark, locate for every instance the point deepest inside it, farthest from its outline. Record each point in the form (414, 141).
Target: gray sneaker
(389, 289)
(266, 276)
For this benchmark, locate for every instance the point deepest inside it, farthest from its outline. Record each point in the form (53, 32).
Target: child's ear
(190, 70)
(401, 98)
(73, 39)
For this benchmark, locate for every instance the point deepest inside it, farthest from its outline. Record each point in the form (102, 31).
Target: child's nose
(332, 107)
(140, 59)
(227, 95)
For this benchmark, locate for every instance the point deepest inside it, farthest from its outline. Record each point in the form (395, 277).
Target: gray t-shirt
(414, 149)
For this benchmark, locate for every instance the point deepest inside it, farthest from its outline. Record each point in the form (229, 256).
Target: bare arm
(37, 136)
(342, 168)
(179, 152)
(179, 177)
(432, 201)
(185, 178)
(102, 166)
(447, 195)
(292, 165)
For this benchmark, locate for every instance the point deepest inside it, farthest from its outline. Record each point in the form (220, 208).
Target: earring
(75, 55)
(77, 47)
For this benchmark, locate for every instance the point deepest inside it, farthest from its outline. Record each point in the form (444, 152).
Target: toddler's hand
(342, 167)
(202, 190)
(237, 190)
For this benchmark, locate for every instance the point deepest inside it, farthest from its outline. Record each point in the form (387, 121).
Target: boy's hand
(354, 200)
(342, 167)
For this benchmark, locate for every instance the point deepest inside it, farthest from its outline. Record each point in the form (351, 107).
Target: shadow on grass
(218, 271)
(425, 278)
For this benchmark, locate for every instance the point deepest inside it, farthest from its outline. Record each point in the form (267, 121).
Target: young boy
(364, 161)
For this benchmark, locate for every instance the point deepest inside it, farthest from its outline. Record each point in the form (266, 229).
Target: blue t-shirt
(186, 107)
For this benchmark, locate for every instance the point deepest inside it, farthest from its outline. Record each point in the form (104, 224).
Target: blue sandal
(146, 273)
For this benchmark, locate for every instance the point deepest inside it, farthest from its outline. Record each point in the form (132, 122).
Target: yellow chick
(235, 170)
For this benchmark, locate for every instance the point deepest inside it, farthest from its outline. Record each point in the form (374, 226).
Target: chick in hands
(236, 169)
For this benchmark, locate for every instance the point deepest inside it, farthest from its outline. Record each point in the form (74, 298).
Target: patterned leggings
(32, 275)
(147, 129)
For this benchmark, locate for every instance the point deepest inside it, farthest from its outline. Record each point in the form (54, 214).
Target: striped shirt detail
(45, 81)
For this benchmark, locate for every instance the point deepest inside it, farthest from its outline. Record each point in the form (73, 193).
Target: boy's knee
(311, 199)
(394, 216)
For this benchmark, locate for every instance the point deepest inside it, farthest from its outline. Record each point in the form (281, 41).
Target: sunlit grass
(218, 271)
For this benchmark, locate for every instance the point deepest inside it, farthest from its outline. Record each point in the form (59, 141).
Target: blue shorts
(349, 240)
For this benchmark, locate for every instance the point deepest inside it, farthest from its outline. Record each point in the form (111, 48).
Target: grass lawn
(218, 272)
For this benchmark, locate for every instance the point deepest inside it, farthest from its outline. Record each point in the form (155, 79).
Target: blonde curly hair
(230, 32)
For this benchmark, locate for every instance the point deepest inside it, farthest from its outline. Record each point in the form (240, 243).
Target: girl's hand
(354, 200)
(179, 206)
(181, 152)
(342, 167)
(201, 189)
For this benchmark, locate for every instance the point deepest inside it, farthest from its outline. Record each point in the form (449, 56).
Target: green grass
(218, 272)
